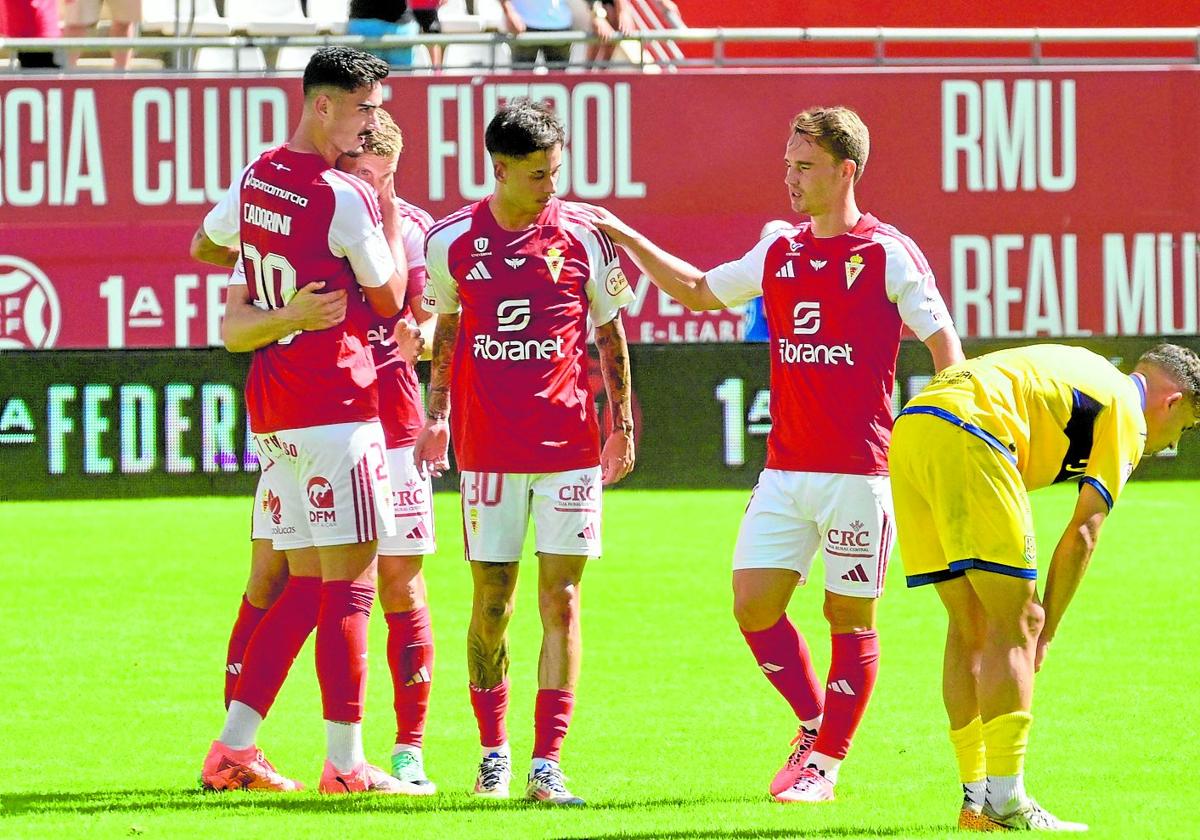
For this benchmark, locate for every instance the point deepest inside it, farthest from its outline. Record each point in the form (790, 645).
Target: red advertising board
(1049, 202)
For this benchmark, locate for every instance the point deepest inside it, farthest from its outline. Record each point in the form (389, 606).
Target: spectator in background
(426, 14)
(754, 319)
(376, 18)
(81, 15)
(611, 20)
(538, 16)
(30, 19)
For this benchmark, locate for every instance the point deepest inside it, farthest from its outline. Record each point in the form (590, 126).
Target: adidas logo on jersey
(857, 574)
(479, 272)
(818, 264)
(841, 687)
(588, 533)
(788, 270)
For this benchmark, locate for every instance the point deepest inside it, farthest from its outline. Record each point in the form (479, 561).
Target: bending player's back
(1064, 412)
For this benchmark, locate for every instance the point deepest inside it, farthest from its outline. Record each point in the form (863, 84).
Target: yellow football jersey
(1060, 413)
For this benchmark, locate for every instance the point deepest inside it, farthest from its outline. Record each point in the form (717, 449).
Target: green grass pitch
(116, 616)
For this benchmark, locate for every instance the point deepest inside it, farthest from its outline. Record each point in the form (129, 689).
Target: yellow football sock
(968, 747)
(1005, 738)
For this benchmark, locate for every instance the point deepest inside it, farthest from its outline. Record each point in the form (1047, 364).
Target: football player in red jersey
(401, 584)
(293, 220)
(402, 591)
(837, 290)
(514, 279)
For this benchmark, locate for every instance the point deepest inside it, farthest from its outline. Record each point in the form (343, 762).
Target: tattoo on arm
(444, 337)
(614, 364)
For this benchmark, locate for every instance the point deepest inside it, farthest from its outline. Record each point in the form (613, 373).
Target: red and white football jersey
(300, 221)
(399, 391)
(519, 394)
(835, 309)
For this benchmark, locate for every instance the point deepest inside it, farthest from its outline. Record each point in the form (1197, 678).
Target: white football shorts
(332, 482)
(496, 510)
(412, 504)
(269, 520)
(848, 517)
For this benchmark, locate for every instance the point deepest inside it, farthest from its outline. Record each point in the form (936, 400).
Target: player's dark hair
(344, 68)
(839, 131)
(523, 127)
(1181, 364)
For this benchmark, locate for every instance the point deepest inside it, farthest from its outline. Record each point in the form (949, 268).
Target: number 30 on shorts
(484, 489)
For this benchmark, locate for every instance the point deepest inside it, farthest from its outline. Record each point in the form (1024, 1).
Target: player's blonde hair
(839, 131)
(386, 141)
(1179, 363)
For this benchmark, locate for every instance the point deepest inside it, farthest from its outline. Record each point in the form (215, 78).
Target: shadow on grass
(176, 799)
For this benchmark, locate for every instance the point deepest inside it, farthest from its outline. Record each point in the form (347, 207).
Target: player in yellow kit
(965, 452)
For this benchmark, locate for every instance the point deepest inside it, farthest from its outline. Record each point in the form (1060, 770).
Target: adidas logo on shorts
(857, 574)
(418, 533)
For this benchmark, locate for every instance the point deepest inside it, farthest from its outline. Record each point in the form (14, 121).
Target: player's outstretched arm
(675, 276)
(207, 251)
(617, 458)
(431, 452)
(945, 348)
(245, 327)
(1070, 561)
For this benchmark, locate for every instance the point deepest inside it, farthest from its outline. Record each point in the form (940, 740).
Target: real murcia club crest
(854, 267)
(554, 261)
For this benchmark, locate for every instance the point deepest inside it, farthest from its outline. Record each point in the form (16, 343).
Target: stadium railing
(658, 50)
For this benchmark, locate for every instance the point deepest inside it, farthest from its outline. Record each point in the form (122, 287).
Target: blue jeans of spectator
(373, 28)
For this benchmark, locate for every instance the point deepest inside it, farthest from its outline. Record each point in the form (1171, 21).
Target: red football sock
(783, 656)
(410, 657)
(490, 705)
(275, 643)
(551, 717)
(852, 673)
(243, 628)
(342, 648)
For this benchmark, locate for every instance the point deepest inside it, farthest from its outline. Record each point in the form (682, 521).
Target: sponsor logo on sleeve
(616, 282)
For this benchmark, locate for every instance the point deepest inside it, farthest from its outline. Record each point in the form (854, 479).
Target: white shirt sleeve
(223, 224)
(356, 232)
(413, 228)
(441, 289)
(911, 286)
(738, 281)
(607, 287)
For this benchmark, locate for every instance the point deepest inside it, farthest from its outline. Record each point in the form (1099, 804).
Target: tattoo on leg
(486, 667)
